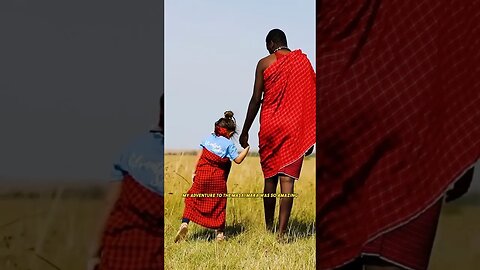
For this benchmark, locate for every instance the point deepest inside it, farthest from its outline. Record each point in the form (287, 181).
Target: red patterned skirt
(408, 246)
(210, 178)
(293, 170)
(133, 238)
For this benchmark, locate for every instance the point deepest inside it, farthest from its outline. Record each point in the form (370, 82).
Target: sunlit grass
(249, 245)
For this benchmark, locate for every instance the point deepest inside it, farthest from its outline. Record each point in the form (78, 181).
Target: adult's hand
(244, 140)
(460, 187)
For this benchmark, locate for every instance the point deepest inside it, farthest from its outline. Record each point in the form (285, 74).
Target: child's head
(226, 126)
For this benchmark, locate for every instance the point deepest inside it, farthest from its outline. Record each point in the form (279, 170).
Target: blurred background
(78, 80)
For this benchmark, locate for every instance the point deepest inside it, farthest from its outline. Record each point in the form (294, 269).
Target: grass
(41, 230)
(457, 243)
(40, 234)
(249, 245)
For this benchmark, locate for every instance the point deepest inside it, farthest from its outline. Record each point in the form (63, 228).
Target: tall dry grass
(249, 245)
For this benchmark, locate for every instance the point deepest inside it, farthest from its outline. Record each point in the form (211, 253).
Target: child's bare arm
(242, 155)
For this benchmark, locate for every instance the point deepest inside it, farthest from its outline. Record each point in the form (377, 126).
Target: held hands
(243, 140)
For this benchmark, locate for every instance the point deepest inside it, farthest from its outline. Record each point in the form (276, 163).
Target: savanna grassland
(51, 228)
(248, 245)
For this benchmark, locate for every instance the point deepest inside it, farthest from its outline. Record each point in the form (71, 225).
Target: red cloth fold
(409, 245)
(287, 117)
(398, 114)
(133, 238)
(210, 178)
(294, 169)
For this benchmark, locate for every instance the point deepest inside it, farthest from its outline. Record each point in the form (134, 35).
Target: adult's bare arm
(254, 105)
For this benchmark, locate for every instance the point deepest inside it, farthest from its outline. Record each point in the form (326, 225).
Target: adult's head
(275, 38)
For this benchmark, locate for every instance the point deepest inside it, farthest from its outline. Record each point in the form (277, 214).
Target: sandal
(182, 232)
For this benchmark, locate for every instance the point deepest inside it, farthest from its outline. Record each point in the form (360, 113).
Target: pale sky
(211, 51)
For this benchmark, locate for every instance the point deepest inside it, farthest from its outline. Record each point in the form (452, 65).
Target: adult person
(398, 113)
(286, 80)
(130, 231)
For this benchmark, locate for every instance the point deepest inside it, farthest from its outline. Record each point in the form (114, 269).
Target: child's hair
(226, 123)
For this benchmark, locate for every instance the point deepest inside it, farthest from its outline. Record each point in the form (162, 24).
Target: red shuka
(287, 117)
(408, 246)
(398, 114)
(210, 178)
(133, 238)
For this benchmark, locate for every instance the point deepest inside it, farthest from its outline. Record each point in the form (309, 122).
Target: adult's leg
(270, 187)
(286, 203)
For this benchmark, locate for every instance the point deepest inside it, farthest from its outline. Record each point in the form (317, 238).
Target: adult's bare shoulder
(265, 62)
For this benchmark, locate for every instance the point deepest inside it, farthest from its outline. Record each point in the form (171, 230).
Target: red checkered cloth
(293, 170)
(409, 245)
(210, 178)
(287, 118)
(133, 238)
(398, 113)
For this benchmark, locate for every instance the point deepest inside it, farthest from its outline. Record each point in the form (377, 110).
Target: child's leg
(222, 228)
(286, 203)
(220, 233)
(270, 187)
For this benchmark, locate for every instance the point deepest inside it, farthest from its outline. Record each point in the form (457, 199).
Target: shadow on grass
(297, 230)
(300, 229)
(209, 235)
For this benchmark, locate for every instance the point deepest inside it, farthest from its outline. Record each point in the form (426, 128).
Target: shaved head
(277, 36)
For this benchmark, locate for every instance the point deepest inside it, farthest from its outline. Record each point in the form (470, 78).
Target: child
(130, 231)
(210, 177)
